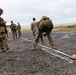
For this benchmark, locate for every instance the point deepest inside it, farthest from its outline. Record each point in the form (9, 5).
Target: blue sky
(60, 11)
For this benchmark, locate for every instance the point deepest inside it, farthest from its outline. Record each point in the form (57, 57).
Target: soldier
(13, 30)
(45, 25)
(35, 30)
(3, 39)
(19, 30)
(33, 27)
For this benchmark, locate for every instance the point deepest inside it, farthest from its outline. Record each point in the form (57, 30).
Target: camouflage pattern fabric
(19, 30)
(36, 31)
(44, 25)
(14, 30)
(3, 37)
(34, 28)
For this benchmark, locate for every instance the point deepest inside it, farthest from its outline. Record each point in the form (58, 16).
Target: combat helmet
(1, 11)
(34, 18)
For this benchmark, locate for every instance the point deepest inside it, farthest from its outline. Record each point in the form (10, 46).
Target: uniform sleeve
(1, 21)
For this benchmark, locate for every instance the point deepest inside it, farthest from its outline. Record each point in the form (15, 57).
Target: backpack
(45, 25)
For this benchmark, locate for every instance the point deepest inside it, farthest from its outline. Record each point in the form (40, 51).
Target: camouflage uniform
(33, 27)
(19, 30)
(45, 25)
(13, 30)
(3, 38)
(35, 30)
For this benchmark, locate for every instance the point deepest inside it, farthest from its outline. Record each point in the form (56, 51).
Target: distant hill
(67, 27)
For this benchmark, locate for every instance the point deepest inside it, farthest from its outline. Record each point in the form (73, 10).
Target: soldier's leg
(2, 47)
(19, 33)
(5, 42)
(13, 35)
(51, 41)
(2, 43)
(34, 34)
(36, 39)
(35, 42)
(41, 37)
(16, 34)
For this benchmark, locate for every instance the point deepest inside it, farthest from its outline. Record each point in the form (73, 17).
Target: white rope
(55, 50)
(49, 48)
(56, 55)
(52, 50)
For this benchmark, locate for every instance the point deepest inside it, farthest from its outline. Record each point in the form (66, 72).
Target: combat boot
(53, 46)
(2, 50)
(8, 49)
(34, 47)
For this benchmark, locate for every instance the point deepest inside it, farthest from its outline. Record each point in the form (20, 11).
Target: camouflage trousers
(3, 42)
(39, 35)
(35, 31)
(14, 33)
(19, 33)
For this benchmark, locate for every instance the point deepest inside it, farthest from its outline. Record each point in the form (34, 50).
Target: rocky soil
(23, 61)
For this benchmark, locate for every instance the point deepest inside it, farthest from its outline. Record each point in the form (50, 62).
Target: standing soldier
(35, 30)
(33, 27)
(45, 25)
(19, 30)
(13, 30)
(3, 38)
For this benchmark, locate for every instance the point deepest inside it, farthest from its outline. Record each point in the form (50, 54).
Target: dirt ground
(23, 61)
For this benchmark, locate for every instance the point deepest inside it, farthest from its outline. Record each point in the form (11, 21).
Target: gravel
(24, 61)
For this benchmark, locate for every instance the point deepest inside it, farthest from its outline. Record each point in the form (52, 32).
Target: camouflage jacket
(13, 27)
(2, 26)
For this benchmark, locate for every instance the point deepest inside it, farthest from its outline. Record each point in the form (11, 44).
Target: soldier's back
(45, 24)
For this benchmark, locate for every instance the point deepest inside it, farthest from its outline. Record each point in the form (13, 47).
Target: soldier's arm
(2, 22)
